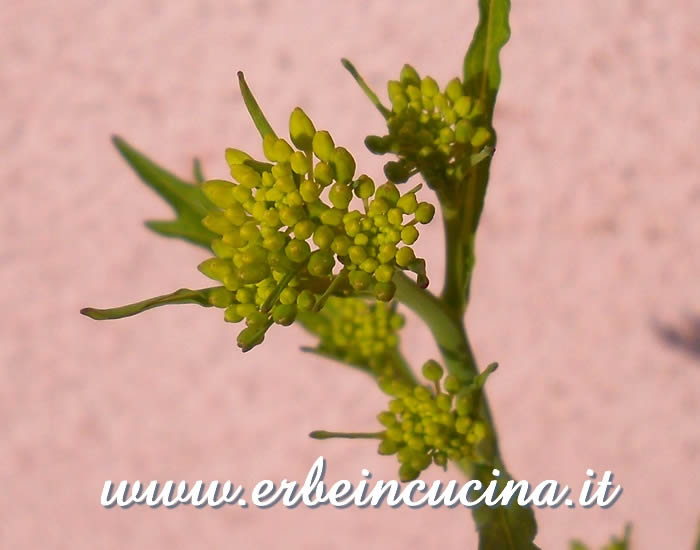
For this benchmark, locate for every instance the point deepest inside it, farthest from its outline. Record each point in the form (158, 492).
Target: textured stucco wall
(591, 235)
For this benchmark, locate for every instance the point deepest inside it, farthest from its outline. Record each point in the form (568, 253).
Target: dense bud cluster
(430, 425)
(289, 237)
(360, 333)
(437, 133)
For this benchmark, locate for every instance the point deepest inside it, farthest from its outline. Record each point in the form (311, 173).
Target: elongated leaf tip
(348, 65)
(319, 434)
(89, 312)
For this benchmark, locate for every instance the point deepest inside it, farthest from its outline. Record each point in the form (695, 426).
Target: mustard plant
(300, 234)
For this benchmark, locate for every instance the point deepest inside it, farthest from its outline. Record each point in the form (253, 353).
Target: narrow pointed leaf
(482, 69)
(365, 88)
(254, 109)
(182, 296)
(197, 171)
(187, 200)
(482, 78)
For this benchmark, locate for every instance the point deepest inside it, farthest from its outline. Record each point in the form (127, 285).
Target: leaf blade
(181, 296)
(187, 200)
(482, 69)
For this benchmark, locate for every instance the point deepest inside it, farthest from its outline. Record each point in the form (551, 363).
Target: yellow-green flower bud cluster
(289, 237)
(361, 333)
(439, 133)
(425, 425)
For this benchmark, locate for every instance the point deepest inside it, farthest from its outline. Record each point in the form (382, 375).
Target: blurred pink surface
(591, 234)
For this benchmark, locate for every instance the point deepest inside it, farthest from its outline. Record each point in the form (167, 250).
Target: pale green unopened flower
(290, 223)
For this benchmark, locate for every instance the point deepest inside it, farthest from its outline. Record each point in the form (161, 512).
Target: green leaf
(697, 543)
(187, 200)
(254, 109)
(510, 527)
(578, 545)
(365, 88)
(482, 78)
(182, 296)
(482, 70)
(197, 171)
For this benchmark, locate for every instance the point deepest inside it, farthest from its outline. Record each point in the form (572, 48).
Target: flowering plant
(300, 235)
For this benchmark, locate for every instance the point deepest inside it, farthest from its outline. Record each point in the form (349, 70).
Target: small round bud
(309, 190)
(429, 87)
(396, 171)
(462, 106)
(425, 212)
(215, 268)
(340, 195)
(320, 263)
(407, 203)
(300, 163)
(378, 145)
(230, 315)
(369, 265)
(236, 156)
(220, 297)
(454, 89)
(301, 129)
(409, 76)
(357, 254)
(332, 216)
(288, 296)
(408, 473)
(384, 273)
(304, 229)
(344, 165)
(405, 256)
(463, 131)
(364, 187)
(432, 371)
(306, 300)
(323, 236)
(297, 250)
(253, 273)
(323, 173)
(220, 192)
(284, 314)
(409, 234)
(360, 280)
(387, 447)
(323, 145)
(384, 292)
(249, 338)
(341, 244)
(481, 137)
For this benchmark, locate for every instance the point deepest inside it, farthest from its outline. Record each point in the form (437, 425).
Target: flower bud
(301, 130)
(236, 156)
(344, 165)
(384, 292)
(297, 250)
(405, 256)
(378, 145)
(481, 137)
(425, 212)
(432, 371)
(284, 314)
(360, 280)
(321, 263)
(396, 171)
(323, 145)
(409, 76)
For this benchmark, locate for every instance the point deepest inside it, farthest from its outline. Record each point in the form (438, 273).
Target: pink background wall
(591, 235)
